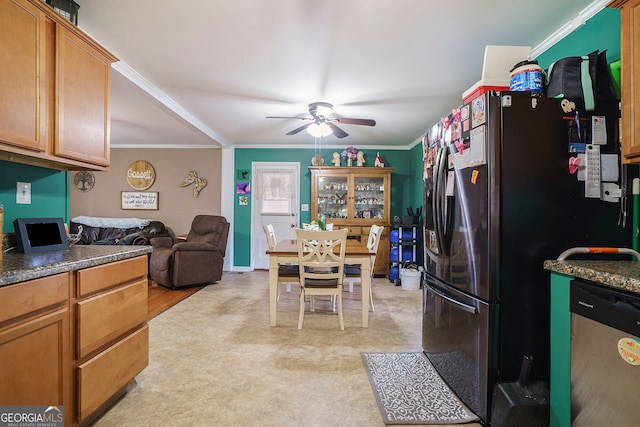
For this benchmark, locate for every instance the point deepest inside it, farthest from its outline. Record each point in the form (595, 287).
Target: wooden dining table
(286, 252)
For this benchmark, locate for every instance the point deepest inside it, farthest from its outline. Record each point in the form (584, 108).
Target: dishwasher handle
(597, 250)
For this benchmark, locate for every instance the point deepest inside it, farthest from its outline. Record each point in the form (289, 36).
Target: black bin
(521, 403)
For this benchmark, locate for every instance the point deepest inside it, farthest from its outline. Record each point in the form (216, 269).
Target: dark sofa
(117, 231)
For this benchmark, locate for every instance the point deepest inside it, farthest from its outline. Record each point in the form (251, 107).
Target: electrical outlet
(23, 193)
(304, 207)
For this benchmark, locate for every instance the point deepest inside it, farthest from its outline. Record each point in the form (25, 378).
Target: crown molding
(583, 16)
(137, 79)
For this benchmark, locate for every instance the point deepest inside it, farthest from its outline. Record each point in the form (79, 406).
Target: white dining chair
(321, 266)
(352, 272)
(287, 273)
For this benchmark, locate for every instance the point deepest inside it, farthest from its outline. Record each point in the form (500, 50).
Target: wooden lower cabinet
(381, 268)
(75, 339)
(111, 335)
(34, 343)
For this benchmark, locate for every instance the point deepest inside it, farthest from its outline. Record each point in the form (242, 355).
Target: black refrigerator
(500, 199)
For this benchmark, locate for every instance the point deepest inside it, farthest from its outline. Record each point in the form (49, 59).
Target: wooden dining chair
(352, 271)
(287, 273)
(321, 266)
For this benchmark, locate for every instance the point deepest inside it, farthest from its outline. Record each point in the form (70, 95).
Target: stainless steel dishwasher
(605, 356)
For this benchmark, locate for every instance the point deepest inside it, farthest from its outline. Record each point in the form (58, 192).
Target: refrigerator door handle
(465, 307)
(434, 200)
(439, 198)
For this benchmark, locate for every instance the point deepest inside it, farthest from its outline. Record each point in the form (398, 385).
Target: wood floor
(161, 298)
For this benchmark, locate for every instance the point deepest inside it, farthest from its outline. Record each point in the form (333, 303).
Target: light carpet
(410, 391)
(214, 359)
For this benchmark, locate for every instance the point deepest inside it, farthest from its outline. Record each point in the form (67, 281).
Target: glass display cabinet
(354, 198)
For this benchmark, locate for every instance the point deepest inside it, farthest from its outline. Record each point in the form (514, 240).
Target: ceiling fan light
(319, 130)
(323, 110)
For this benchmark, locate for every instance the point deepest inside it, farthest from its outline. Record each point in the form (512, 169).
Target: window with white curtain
(275, 192)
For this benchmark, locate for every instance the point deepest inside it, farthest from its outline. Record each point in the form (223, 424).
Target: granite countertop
(623, 275)
(16, 267)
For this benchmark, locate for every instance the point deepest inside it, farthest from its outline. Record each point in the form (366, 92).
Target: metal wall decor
(140, 175)
(84, 181)
(198, 182)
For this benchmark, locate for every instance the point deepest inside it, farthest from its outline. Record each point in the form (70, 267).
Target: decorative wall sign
(193, 178)
(139, 200)
(140, 175)
(243, 188)
(84, 181)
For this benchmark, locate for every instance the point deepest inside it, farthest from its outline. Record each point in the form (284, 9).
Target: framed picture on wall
(147, 200)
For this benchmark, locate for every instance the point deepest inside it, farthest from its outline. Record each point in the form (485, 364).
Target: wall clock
(84, 181)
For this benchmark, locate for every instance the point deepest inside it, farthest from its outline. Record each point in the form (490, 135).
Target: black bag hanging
(584, 77)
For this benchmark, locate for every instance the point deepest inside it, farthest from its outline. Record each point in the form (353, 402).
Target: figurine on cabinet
(360, 159)
(317, 160)
(336, 159)
(379, 163)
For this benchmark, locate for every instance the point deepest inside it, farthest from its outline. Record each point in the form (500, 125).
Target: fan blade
(339, 133)
(299, 129)
(350, 121)
(288, 117)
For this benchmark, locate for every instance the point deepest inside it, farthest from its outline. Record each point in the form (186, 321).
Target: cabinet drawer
(110, 371)
(94, 279)
(106, 316)
(34, 295)
(354, 231)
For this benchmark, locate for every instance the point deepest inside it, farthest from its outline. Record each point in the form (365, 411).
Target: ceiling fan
(321, 124)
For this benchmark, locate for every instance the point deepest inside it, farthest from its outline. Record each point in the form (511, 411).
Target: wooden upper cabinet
(54, 90)
(630, 75)
(82, 100)
(22, 83)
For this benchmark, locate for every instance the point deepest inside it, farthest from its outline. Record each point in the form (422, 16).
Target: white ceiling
(205, 73)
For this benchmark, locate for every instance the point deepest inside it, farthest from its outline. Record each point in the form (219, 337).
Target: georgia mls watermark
(31, 416)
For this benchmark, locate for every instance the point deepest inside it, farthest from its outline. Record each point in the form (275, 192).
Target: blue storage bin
(394, 254)
(394, 236)
(407, 255)
(407, 233)
(394, 273)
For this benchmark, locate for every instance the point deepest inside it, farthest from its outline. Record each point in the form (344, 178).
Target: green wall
(402, 185)
(601, 32)
(49, 193)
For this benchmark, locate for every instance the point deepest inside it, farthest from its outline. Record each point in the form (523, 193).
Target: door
(275, 195)
(456, 204)
(456, 340)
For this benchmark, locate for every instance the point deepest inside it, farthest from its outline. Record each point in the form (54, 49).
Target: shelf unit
(403, 241)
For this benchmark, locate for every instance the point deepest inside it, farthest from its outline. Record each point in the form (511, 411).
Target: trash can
(410, 279)
(522, 403)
